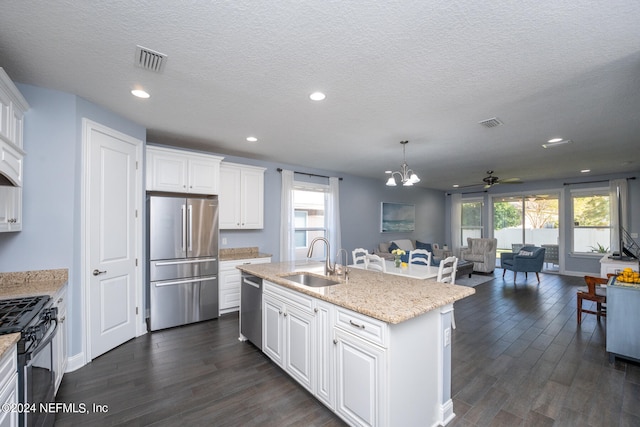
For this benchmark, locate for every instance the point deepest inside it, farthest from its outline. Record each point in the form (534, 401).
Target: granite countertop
(7, 341)
(234, 254)
(25, 284)
(30, 283)
(392, 299)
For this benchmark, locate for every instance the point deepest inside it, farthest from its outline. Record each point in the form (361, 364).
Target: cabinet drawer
(363, 326)
(293, 298)
(8, 364)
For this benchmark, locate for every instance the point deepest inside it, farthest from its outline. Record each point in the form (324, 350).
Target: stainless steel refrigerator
(183, 259)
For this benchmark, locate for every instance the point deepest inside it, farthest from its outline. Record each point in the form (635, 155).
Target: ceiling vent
(491, 123)
(150, 59)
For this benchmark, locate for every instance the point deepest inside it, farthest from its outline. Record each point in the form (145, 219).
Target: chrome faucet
(344, 268)
(328, 269)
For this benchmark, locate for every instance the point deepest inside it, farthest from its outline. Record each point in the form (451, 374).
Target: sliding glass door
(527, 219)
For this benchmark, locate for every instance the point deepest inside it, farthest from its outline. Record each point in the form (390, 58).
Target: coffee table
(464, 267)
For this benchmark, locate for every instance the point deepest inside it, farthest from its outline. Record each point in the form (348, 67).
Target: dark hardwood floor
(519, 359)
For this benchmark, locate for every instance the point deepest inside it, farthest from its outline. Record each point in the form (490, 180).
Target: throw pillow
(525, 253)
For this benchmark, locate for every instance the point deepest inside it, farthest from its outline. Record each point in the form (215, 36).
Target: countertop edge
(416, 296)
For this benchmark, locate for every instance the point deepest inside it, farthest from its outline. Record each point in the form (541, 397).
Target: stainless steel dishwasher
(251, 309)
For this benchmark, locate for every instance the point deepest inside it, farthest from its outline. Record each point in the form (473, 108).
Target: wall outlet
(634, 235)
(447, 337)
(224, 240)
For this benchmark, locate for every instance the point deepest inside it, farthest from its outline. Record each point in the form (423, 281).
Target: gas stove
(17, 313)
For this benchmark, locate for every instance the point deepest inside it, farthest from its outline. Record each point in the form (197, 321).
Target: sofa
(482, 252)
(384, 249)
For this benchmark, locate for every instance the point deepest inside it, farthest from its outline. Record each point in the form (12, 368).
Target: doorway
(531, 219)
(111, 238)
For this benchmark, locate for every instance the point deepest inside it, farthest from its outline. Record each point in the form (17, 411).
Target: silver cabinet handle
(97, 272)
(356, 325)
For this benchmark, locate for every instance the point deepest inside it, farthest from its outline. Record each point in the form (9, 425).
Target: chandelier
(406, 175)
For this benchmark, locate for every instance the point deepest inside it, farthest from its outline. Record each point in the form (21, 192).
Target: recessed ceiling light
(585, 170)
(252, 139)
(317, 96)
(140, 93)
(552, 140)
(556, 142)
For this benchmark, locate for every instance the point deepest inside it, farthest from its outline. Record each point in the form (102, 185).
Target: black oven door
(38, 382)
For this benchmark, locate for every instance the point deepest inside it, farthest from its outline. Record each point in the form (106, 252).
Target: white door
(113, 234)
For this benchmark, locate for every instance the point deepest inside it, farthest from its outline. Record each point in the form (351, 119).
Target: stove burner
(17, 313)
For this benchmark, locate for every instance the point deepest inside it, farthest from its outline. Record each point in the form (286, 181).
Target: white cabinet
(613, 266)
(241, 196)
(10, 208)
(289, 332)
(360, 368)
(367, 371)
(60, 340)
(12, 108)
(180, 171)
(9, 387)
(229, 283)
(325, 384)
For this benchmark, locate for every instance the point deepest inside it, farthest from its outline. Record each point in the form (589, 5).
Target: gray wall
(51, 236)
(360, 202)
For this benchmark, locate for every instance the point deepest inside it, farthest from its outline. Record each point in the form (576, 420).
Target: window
(309, 210)
(591, 221)
(471, 220)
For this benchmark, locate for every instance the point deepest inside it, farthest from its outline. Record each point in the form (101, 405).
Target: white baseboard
(75, 362)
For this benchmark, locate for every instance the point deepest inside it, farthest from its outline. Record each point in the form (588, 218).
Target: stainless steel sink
(311, 280)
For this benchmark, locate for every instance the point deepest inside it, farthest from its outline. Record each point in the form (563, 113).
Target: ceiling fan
(489, 181)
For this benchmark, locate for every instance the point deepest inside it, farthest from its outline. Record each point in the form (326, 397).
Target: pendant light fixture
(406, 175)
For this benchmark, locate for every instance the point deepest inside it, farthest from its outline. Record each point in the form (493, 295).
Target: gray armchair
(515, 262)
(482, 252)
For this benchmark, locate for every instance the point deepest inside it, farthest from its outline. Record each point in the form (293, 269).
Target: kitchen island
(375, 349)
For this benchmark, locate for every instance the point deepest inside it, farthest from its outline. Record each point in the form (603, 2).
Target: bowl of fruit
(628, 276)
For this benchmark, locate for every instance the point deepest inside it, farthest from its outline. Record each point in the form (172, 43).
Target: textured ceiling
(423, 71)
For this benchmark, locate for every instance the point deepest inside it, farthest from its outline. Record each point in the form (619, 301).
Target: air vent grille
(150, 59)
(491, 123)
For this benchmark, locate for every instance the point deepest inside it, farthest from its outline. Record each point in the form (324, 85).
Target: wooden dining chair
(592, 292)
(359, 255)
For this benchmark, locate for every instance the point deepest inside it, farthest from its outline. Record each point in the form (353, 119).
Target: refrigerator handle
(184, 228)
(190, 227)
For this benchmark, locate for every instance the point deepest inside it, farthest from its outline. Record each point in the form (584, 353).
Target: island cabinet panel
(289, 332)
(180, 171)
(369, 372)
(360, 388)
(241, 196)
(325, 387)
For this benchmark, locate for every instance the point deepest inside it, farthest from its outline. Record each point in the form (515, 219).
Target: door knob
(96, 272)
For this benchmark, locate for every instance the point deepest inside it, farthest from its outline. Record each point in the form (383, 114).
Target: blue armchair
(528, 259)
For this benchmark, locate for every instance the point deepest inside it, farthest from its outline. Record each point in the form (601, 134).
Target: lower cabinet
(288, 336)
(229, 283)
(369, 372)
(9, 387)
(60, 340)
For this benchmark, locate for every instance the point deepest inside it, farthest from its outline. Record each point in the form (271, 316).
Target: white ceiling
(423, 71)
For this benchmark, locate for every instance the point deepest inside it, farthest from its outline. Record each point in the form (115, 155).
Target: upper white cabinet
(180, 171)
(10, 208)
(241, 196)
(12, 108)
